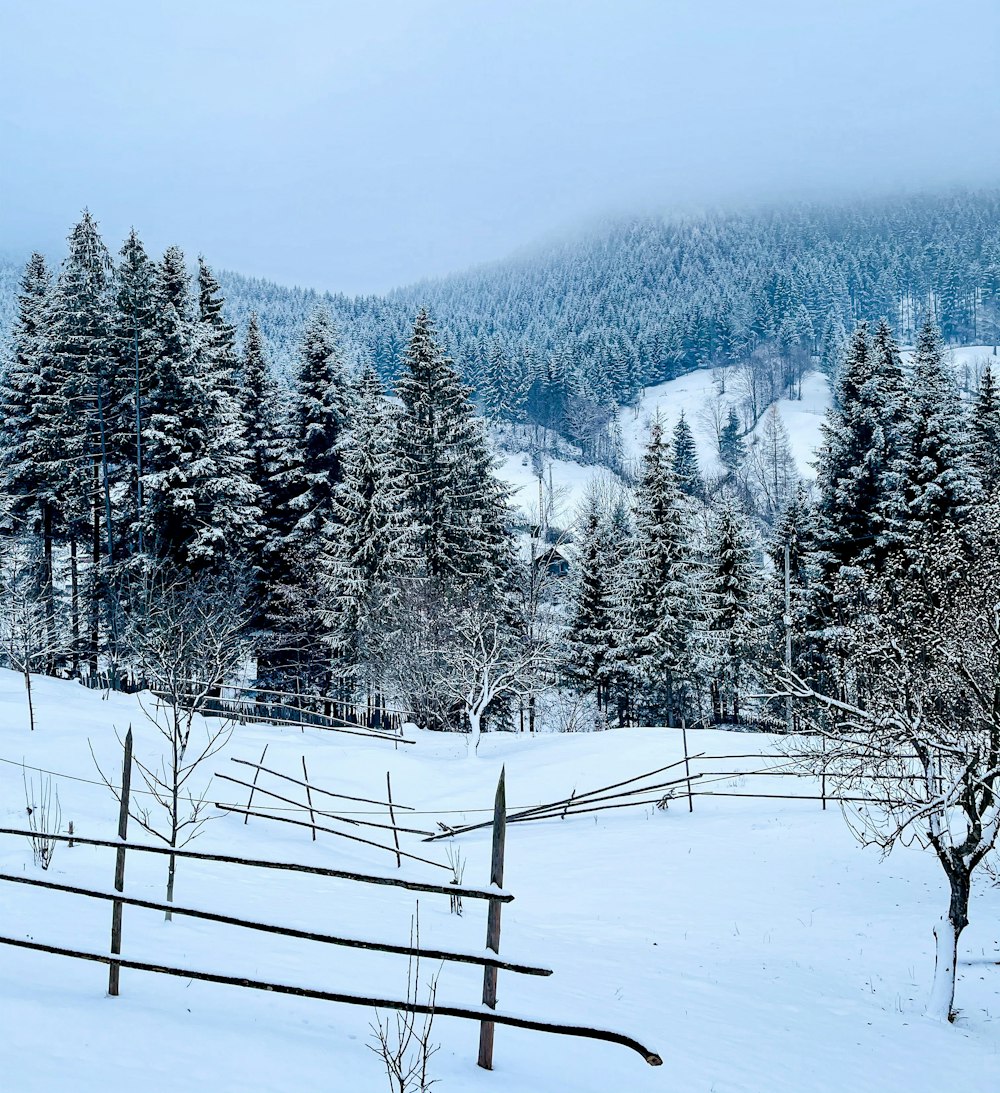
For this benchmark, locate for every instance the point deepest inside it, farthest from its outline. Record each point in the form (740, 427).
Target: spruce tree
(733, 609)
(202, 509)
(658, 602)
(686, 469)
(985, 428)
(367, 551)
(932, 481)
(28, 400)
(732, 449)
(457, 506)
(861, 437)
(590, 633)
(134, 346)
(82, 367)
(308, 472)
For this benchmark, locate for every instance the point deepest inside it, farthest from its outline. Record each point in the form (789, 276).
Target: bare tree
(404, 1046)
(922, 740)
(44, 817)
(186, 637)
(771, 467)
(483, 662)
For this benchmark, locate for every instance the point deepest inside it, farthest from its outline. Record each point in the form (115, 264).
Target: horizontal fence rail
(291, 867)
(484, 960)
(480, 1014)
(489, 959)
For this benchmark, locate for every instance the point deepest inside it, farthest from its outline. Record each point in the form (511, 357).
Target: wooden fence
(494, 895)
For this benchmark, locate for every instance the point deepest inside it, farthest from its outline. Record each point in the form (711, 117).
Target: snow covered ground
(690, 394)
(752, 943)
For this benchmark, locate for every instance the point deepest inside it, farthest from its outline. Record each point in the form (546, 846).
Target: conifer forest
(325, 471)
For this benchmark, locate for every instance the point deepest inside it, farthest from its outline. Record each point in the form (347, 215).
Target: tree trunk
(95, 577)
(74, 607)
(946, 935)
(475, 729)
(48, 589)
(27, 691)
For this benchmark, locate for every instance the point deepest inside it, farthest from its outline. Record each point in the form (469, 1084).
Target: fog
(322, 144)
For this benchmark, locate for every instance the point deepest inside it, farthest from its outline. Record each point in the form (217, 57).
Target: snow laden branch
(483, 662)
(915, 727)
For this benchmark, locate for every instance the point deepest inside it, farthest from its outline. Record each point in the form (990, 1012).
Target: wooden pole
(788, 630)
(391, 881)
(329, 831)
(486, 1028)
(823, 774)
(246, 818)
(687, 763)
(481, 959)
(116, 907)
(392, 820)
(309, 797)
(319, 789)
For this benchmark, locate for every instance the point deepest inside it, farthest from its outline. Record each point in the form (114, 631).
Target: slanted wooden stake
(392, 819)
(116, 907)
(246, 817)
(486, 1028)
(309, 796)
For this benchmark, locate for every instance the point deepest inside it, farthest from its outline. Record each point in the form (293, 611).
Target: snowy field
(752, 943)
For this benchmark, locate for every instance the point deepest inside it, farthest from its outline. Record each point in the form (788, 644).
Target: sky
(360, 146)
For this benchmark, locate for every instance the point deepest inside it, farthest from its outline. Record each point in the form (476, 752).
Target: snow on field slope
(690, 394)
(752, 943)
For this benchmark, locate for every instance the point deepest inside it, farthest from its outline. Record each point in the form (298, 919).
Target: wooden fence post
(309, 796)
(392, 819)
(687, 763)
(246, 818)
(486, 1028)
(116, 907)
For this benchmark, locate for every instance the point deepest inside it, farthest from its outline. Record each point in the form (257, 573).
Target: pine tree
(732, 449)
(658, 600)
(450, 491)
(985, 428)
(28, 400)
(932, 481)
(367, 552)
(733, 609)
(590, 634)
(686, 469)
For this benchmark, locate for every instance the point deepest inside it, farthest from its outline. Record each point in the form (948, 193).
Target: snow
(564, 485)
(752, 943)
(802, 418)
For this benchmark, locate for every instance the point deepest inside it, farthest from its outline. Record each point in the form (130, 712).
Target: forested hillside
(559, 335)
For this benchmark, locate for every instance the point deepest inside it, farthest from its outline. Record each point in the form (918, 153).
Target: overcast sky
(357, 146)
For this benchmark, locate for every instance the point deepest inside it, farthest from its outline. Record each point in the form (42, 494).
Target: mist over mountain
(560, 334)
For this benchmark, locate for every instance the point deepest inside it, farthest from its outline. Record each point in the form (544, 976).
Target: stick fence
(487, 1015)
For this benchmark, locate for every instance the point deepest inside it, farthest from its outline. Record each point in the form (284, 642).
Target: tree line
(145, 456)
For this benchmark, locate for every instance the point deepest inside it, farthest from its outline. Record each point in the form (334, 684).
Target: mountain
(561, 334)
